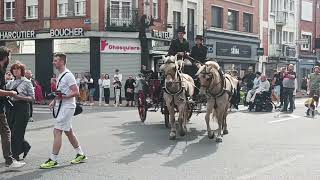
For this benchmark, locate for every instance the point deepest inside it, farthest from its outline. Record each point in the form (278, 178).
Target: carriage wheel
(166, 117)
(142, 106)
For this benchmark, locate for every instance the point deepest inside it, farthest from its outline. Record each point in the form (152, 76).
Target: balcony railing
(124, 19)
(281, 18)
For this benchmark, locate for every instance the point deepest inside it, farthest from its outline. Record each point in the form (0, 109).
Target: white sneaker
(16, 165)
(106, 104)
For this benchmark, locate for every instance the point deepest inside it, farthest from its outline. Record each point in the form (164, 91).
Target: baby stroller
(262, 103)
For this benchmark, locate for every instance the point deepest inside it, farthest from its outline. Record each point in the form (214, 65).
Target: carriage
(151, 98)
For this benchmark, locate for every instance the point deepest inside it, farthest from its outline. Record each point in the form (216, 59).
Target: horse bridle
(177, 82)
(210, 79)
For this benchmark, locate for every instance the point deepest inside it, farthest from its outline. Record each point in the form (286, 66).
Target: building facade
(232, 33)
(308, 34)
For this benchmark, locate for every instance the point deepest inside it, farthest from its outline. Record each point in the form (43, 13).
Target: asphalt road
(259, 146)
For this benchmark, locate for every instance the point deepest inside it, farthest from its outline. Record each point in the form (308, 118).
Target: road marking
(270, 167)
(290, 117)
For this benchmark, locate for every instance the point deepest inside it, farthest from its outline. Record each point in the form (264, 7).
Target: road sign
(260, 51)
(302, 41)
(87, 21)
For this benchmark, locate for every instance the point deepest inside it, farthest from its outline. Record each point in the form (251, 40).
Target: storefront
(120, 53)
(159, 44)
(233, 51)
(305, 66)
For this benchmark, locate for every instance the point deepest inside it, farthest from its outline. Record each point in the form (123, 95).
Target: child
(311, 104)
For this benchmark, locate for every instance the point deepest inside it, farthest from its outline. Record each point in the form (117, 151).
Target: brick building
(98, 36)
(232, 33)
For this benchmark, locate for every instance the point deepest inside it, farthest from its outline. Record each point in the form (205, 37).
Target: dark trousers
(5, 139)
(288, 98)
(31, 109)
(281, 96)
(18, 118)
(106, 95)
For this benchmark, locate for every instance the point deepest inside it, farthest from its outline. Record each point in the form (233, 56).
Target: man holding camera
(4, 127)
(64, 104)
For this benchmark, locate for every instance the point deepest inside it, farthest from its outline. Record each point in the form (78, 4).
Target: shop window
(31, 9)
(62, 8)
(155, 9)
(9, 10)
(216, 16)
(233, 20)
(80, 7)
(247, 22)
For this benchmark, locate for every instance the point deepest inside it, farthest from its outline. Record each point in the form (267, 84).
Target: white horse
(178, 87)
(218, 89)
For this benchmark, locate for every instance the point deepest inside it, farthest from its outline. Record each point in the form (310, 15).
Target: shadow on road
(154, 139)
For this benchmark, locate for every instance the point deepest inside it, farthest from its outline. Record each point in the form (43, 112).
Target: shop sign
(233, 50)
(124, 46)
(67, 32)
(17, 34)
(160, 45)
(161, 34)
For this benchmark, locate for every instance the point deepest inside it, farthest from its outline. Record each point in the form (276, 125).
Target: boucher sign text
(233, 50)
(66, 32)
(17, 35)
(126, 46)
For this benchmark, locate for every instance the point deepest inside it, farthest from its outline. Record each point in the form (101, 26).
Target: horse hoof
(172, 136)
(225, 132)
(219, 140)
(211, 136)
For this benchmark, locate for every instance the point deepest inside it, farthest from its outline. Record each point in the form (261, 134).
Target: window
(285, 36)
(272, 6)
(120, 10)
(286, 3)
(62, 8)
(80, 7)
(155, 9)
(272, 35)
(9, 10)
(115, 9)
(125, 10)
(247, 22)
(176, 21)
(292, 5)
(31, 9)
(232, 20)
(216, 14)
(291, 37)
(278, 37)
(191, 27)
(308, 45)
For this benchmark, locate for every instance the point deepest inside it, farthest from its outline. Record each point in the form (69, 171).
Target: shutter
(26, 59)
(77, 63)
(128, 64)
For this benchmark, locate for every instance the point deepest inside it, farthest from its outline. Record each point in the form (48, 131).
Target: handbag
(78, 109)
(129, 90)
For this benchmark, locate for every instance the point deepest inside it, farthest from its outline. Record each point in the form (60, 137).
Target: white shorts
(63, 121)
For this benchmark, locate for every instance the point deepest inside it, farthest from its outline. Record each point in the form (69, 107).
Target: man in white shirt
(256, 83)
(264, 86)
(64, 105)
(117, 77)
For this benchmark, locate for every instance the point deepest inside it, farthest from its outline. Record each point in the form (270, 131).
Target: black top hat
(181, 29)
(199, 37)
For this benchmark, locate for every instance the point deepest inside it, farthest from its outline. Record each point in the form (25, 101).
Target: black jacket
(2, 86)
(176, 47)
(199, 53)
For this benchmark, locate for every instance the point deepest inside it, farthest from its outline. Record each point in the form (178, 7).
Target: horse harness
(223, 88)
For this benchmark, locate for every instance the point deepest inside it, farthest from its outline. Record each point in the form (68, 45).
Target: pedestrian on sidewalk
(129, 90)
(64, 104)
(83, 89)
(106, 89)
(91, 89)
(288, 88)
(117, 77)
(117, 92)
(314, 83)
(19, 114)
(101, 92)
(4, 127)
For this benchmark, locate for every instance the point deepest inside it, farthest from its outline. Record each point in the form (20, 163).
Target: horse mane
(213, 64)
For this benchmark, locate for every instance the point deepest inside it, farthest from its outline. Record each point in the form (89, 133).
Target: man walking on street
(314, 83)
(64, 104)
(4, 127)
(288, 88)
(28, 75)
